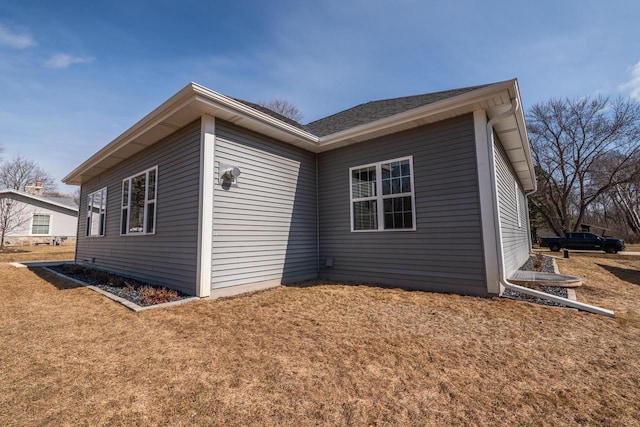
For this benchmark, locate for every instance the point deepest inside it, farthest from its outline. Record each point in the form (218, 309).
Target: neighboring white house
(35, 219)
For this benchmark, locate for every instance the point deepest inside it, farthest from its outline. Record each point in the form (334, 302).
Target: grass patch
(37, 253)
(320, 355)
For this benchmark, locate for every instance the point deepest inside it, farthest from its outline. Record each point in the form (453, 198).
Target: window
(96, 210)
(139, 203)
(40, 224)
(382, 196)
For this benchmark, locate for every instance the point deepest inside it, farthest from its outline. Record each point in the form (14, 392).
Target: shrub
(151, 295)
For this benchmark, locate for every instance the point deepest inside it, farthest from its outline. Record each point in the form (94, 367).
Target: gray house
(208, 194)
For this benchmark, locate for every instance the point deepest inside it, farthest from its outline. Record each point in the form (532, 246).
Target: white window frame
(48, 233)
(102, 213)
(379, 197)
(147, 202)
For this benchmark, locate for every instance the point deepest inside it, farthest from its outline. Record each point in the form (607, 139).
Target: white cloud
(14, 39)
(63, 60)
(633, 85)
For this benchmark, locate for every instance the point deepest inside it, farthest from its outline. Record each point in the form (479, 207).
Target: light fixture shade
(232, 172)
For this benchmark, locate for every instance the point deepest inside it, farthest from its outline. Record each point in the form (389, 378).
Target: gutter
(498, 227)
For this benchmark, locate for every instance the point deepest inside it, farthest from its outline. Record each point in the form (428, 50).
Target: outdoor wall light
(231, 173)
(228, 176)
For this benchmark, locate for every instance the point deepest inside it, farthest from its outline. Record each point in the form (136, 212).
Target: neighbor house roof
(61, 202)
(65, 201)
(361, 123)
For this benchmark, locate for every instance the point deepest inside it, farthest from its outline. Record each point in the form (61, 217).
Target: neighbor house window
(96, 210)
(139, 203)
(382, 196)
(40, 224)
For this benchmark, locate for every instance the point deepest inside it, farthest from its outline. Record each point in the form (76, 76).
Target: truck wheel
(554, 247)
(611, 250)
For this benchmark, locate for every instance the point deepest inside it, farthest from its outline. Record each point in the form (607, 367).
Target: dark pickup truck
(583, 241)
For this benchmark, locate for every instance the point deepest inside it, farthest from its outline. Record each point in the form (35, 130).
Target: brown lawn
(323, 355)
(37, 253)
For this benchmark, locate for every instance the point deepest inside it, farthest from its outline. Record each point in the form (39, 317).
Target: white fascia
(205, 209)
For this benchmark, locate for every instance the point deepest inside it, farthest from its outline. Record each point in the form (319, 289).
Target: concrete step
(522, 277)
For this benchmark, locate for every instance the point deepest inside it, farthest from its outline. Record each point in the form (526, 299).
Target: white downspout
(498, 227)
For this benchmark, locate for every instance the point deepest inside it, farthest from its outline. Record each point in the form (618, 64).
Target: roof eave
(187, 105)
(214, 102)
(194, 101)
(514, 137)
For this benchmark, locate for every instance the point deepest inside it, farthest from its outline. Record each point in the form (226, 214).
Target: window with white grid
(40, 224)
(382, 196)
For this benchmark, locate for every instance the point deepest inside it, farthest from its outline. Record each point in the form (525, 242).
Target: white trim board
(205, 208)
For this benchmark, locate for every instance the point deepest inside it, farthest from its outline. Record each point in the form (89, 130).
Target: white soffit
(512, 133)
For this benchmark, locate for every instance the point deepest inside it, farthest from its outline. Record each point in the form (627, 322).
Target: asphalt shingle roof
(376, 110)
(364, 113)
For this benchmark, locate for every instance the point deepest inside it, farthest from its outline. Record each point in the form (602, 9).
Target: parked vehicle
(583, 241)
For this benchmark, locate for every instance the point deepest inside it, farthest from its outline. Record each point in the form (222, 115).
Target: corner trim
(487, 202)
(205, 205)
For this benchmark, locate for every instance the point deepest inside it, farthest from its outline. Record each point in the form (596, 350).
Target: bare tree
(626, 198)
(283, 107)
(13, 215)
(20, 172)
(76, 196)
(582, 148)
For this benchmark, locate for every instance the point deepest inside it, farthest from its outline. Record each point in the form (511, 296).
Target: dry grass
(324, 355)
(632, 248)
(611, 281)
(37, 253)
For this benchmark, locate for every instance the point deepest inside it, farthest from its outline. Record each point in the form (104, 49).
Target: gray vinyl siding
(264, 228)
(445, 253)
(515, 240)
(169, 256)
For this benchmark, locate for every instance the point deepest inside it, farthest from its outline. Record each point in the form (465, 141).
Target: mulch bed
(141, 293)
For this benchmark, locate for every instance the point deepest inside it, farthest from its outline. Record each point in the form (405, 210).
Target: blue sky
(76, 74)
